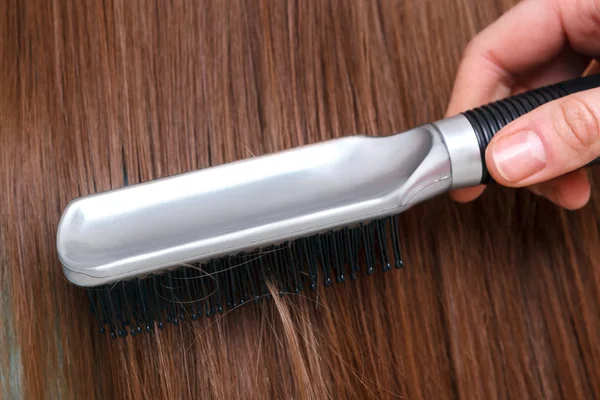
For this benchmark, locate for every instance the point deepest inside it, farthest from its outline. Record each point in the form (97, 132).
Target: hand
(538, 42)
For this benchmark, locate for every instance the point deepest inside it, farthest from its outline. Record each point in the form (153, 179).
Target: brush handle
(487, 120)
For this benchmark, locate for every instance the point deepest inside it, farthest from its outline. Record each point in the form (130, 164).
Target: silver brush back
(249, 204)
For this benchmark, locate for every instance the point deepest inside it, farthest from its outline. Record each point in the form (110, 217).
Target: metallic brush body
(249, 204)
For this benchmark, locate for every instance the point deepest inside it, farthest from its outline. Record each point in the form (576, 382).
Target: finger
(526, 38)
(552, 140)
(567, 65)
(571, 191)
(490, 66)
(467, 194)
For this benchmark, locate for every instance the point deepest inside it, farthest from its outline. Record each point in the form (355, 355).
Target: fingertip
(467, 194)
(575, 193)
(571, 191)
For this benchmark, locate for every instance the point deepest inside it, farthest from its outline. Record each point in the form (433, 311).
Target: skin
(536, 43)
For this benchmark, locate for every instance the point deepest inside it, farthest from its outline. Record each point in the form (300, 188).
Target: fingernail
(518, 156)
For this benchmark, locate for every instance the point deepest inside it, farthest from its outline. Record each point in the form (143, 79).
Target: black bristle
(324, 260)
(195, 292)
(152, 307)
(328, 256)
(204, 281)
(283, 278)
(141, 304)
(354, 246)
(290, 267)
(240, 265)
(395, 244)
(121, 306)
(187, 284)
(253, 284)
(338, 258)
(295, 267)
(373, 242)
(236, 282)
(246, 281)
(111, 314)
(169, 288)
(302, 264)
(211, 289)
(367, 246)
(181, 296)
(263, 274)
(127, 307)
(157, 302)
(382, 244)
(311, 258)
(94, 308)
(230, 284)
(348, 251)
(280, 273)
(137, 318)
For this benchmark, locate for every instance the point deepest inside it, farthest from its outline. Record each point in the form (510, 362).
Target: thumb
(552, 140)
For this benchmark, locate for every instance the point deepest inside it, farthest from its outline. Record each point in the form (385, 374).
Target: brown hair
(498, 299)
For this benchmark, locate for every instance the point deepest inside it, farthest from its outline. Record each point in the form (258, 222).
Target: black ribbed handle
(489, 119)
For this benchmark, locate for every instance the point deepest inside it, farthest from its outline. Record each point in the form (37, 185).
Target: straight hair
(498, 298)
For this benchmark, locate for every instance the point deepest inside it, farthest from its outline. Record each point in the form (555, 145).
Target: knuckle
(472, 47)
(577, 124)
(581, 18)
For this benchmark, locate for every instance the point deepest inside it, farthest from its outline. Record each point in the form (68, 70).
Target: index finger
(528, 36)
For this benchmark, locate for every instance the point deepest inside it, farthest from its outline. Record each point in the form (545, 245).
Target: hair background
(499, 298)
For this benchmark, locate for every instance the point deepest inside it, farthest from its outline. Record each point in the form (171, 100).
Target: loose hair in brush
(101, 101)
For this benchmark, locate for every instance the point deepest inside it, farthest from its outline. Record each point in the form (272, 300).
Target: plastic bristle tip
(203, 290)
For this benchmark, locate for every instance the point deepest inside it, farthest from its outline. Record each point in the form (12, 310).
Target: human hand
(538, 42)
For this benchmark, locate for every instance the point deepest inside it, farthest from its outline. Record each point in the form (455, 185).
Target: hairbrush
(197, 243)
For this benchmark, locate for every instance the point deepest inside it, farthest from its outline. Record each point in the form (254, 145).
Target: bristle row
(196, 290)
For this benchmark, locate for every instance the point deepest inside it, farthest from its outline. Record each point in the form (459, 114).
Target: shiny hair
(498, 298)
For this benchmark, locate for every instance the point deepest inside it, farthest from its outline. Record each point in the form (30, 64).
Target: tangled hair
(499, 298)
